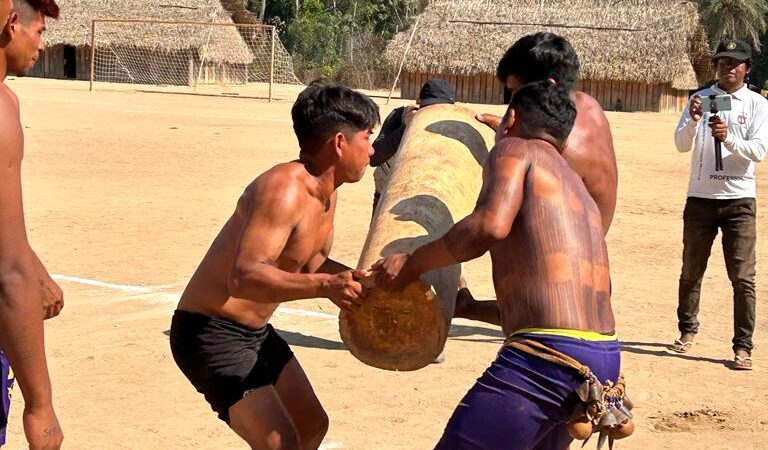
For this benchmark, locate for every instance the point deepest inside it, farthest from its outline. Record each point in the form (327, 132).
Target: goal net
(193, 57)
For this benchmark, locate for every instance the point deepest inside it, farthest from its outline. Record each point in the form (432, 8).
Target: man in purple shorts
(550, 271)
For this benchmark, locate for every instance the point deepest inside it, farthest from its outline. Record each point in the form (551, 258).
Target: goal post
(214, 58)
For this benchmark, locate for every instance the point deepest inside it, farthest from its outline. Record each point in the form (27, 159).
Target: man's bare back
(308, 220)
(537, 219)
(551, 271)
(589, 150)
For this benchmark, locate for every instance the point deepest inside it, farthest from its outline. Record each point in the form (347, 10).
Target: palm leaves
(743, 19)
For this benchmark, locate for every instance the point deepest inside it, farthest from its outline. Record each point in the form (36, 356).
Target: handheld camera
(714, 104)
(720, 103)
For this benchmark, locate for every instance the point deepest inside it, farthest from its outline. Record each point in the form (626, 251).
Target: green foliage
(759, 75)
(339, 39)
(743, 19)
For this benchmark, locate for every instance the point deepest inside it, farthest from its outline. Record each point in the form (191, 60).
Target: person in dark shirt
(433, 92)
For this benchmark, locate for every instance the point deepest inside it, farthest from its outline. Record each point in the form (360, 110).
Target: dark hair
(544, 106)
(48, 8)
(324, 108)
(540, 56)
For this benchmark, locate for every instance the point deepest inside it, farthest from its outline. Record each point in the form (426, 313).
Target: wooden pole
(272, 65)
(402, 61)
(184, 22)
(203, 59)
(553, 25)
(93, 52)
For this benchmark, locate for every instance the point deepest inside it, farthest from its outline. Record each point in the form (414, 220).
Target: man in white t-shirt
(722, 199)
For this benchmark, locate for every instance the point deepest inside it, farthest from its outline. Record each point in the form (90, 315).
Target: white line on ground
(330, 445)
(307, 313)
(175, 296)
(90, 282)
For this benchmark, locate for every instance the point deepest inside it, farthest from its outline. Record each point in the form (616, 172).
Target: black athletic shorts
(225, 360)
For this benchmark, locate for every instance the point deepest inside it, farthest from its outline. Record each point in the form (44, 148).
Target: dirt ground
(125, 191)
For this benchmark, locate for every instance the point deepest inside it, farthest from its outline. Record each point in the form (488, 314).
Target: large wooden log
(435, 180)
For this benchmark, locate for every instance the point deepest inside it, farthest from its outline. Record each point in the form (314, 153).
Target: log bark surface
(435, 180)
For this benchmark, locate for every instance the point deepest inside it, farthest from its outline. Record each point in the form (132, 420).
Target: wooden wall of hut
(154, 68)
(217, 72)
(485, 88)
(52, 63)
(480, 88)
(633, 96)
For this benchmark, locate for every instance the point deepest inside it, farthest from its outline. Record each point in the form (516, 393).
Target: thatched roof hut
(217, 44)
(222, 43)
(640, 43)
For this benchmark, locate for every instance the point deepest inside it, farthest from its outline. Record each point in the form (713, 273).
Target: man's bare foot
(464, 300)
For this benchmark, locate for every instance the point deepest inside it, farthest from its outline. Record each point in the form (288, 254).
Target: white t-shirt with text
(745, 145)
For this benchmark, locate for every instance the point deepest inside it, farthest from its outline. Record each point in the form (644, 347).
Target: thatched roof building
(655, 45)
(69, 37)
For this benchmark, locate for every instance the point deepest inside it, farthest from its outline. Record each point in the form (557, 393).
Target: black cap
(436, 91)
(733, 48)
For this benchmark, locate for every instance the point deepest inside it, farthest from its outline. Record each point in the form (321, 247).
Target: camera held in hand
(715, 104)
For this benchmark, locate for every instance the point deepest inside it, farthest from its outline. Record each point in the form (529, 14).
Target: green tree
(743, 19)
(759, 73)
(338, 39)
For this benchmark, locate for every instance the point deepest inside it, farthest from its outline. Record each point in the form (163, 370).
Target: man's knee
(314, 434)
(279, 441)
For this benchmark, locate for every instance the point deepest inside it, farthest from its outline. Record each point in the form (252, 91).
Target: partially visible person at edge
(723, 199)
(433, 92)
(589, 149)
(28, 295)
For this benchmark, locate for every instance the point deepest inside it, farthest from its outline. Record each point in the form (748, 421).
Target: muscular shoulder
(511, 147)
(590, 139)
(588, 109)
(515, 153)
(10, 126)
(282, 186)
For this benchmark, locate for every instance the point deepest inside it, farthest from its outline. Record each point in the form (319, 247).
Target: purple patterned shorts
(6, 386)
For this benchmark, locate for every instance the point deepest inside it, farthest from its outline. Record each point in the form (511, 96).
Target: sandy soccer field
(125, 191)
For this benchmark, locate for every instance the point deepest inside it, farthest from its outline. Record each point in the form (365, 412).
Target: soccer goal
(190, 57)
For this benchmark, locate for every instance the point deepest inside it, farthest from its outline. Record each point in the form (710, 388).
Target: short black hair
(48, 8)
(540, 56)
(544, 106)
(325, 108)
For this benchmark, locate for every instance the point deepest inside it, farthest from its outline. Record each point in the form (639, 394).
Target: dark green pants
(736, 218)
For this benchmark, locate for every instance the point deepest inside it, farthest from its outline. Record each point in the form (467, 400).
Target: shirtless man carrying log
(272, 250)
(589, 149)
(550, 270)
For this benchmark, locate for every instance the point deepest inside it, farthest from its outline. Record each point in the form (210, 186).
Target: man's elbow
(683, 147)
(760, 156)
(243, 282)
(493, 230)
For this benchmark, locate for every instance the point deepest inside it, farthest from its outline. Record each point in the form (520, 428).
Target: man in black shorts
(275, 249)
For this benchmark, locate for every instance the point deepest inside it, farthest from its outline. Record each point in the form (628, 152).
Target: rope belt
(603, 409)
